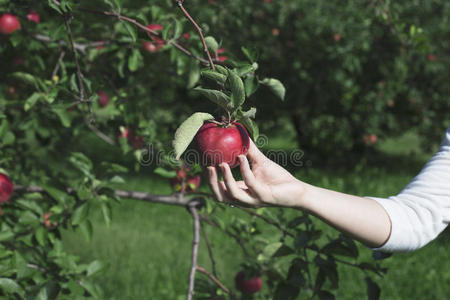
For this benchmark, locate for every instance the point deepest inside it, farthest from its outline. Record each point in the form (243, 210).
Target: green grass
(148, 246)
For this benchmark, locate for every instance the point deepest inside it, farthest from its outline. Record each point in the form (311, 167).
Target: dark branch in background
(210, 252)
(144, 28)
(174, 199)
(82, 47)
(391, 22)
(100, 134)
(83, 96)
(216, 281)
(58, 64)
(199, 30)
(195, 242)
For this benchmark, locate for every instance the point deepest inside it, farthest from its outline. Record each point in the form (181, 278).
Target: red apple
(184, 182)
(275, 31)
(221, 50)
(431, 57)
(150, 47)
(103, 98)
(47, 222)
(218, 144)
(33, 17)
(186, 36)
(154, 27)
(337, 37)
(9, 23)
(6, 188)
(247, 285)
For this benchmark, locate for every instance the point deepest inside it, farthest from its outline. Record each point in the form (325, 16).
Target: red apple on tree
(6, 188)
(247, 284)
(221, 143)
(185, 182)
(103, 98)
(9, 23)
(33, 17)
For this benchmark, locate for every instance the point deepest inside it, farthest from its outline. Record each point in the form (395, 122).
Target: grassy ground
(148, 246)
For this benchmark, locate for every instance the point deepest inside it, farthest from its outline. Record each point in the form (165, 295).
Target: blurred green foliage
(352, 71)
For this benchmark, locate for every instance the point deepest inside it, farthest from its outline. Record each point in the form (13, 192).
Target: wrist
(300, 199)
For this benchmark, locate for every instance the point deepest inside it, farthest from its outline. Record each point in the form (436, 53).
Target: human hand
(264, 184)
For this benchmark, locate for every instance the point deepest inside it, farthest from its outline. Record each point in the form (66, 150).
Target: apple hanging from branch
(6, 188)
(223, 139)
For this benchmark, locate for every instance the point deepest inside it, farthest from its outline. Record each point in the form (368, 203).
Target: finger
(247, 174)
(214, 184)
(254, 154)
(233, 190)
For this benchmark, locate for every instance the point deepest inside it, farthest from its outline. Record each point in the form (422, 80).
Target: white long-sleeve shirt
(422, 209)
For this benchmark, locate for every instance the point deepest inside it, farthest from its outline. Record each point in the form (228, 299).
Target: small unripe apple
(247, 285)
(103, 98)
(6, 188)
(9, 23)
(33, 17)
(217, 144)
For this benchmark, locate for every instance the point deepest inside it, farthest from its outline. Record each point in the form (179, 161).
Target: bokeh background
(367, 101)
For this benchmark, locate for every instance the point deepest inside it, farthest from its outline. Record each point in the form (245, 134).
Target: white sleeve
(422, 209)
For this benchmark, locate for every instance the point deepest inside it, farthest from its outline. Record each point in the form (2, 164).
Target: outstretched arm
(404, 222)
(268, 184)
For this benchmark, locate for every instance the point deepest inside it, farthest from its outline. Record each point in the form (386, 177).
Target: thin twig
(147, 30)
(174, 199)
(284, 231)
(82, 47)
(58, 64)
(100, 134)
(83, 96)
(195, 243)
(210, 252)
(216, 281)
(199, 30)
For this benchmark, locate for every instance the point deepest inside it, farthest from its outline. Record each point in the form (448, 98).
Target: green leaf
(31, 101)
(41, 236)
(211, 43)
(286, 291)
(80, 214)
(95, 267)
(242, 71)
(165, 173)
(131, 29)
(252, 127)
(250, 54)
(63, 115)
(250, 113)
(213, 75)
(251, 85)
(222, 70)
(187, 131)
(135, 60)
(6, 235)
(217, 97)
(275, 86)
(237, 89)
(107, 213)
(10, 286)
(86, 229)
(194, 75)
